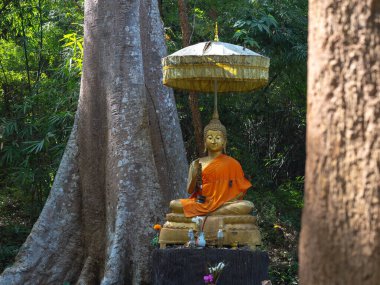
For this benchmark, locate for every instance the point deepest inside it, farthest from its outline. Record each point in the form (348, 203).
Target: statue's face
(215, 141)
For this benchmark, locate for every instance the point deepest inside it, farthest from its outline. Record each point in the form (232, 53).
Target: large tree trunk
(340, 237)
(123, 163)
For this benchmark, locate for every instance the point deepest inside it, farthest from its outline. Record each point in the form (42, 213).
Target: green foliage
(74, 51)
(248, 28)
(40, 63)
(10, 239)
(155, 240)
(41, 51)
(13, 230)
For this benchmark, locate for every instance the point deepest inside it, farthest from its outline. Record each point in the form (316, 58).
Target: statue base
(239, 230)
(187, 266)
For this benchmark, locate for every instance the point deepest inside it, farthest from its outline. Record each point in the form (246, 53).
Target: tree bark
(124, 162)
(193, 99)
(197, 123)
(340, 237)
(184, 20)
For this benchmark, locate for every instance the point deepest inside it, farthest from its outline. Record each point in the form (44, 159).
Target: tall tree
(193, 99)
(340, 237)
(123, 163)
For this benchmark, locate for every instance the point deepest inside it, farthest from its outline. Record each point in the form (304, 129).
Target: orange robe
(222, 180)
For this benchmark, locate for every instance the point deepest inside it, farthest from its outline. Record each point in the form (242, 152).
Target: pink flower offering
(208, 278)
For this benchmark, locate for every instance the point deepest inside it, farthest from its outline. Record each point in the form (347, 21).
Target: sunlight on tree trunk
(124, 161)
(340, 235)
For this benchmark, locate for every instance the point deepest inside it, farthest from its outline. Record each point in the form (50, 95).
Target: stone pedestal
(237, 229)
(184, 266)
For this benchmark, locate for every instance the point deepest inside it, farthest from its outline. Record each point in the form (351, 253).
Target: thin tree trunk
(40, 48)
(193, 99)
(197, 123)
(124, 162)
(184, 20)
(340, 237)
(27, 67)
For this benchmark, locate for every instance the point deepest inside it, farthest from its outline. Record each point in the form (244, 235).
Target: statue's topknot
(215, 125)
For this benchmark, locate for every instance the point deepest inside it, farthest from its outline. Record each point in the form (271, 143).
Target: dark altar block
(185, 266)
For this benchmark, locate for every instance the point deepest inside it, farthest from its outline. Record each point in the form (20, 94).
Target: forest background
(40, 68)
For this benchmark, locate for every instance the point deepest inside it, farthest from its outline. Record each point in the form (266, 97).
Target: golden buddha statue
(217, 185)
(222, 178)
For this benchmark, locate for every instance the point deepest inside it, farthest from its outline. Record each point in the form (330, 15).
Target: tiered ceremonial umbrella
(215, 67)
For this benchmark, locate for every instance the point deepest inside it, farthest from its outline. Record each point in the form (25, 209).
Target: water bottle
(201, 239)
(220, 237)
(190, 234)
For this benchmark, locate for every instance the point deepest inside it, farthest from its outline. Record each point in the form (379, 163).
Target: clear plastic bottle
(190, 234)
(201, 240)
(220, 238)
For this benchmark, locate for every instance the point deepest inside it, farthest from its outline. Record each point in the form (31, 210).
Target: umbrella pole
(215, 115)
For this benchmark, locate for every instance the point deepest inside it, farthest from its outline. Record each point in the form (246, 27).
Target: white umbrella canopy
(215, 66)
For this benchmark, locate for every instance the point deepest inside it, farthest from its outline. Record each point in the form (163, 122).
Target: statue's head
(215, 136)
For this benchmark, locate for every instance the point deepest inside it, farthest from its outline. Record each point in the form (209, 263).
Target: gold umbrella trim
(223, 86)
(229, 79)
(234, 73)
(221, 65)
(254, 60)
